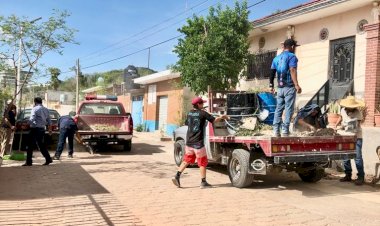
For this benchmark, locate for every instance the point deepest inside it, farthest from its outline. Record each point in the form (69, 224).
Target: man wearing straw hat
(351, 118)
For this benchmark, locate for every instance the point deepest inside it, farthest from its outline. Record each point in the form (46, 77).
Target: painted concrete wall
(313, 54)
(174, 92)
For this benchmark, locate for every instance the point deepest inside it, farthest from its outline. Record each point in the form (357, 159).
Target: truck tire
(312, 176)
(238, 166)
(179, 151)
(127, 145)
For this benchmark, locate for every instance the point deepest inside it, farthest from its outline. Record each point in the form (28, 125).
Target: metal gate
(162, 112)
(341, 71)
(137, 106)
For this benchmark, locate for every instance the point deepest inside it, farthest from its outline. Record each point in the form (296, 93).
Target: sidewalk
(60, 194)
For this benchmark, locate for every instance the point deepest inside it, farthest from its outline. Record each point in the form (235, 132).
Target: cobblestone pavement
(115, 188)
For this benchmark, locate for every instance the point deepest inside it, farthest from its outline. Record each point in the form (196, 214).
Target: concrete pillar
(372, 71)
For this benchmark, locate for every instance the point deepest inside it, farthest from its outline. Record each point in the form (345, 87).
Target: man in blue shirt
(67, 129)
(285, 66)
(38, 121)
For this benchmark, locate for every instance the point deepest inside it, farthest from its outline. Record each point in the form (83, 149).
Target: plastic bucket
(268, 101)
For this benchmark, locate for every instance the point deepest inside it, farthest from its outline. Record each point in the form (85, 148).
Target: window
(100, 109)
(259, 65)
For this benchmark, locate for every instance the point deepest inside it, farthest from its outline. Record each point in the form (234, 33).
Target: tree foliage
(214, 50)
(54, 80)
(38, 38)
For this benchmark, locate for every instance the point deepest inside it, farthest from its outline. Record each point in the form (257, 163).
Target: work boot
(204, 184)
(346, 178)
(175, 181)
(56, 157)
(47, 162)
(70, 156)
(359, 181)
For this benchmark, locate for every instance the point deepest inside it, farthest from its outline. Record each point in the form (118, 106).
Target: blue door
(137, 106)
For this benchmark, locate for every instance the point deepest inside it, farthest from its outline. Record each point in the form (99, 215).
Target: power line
(147, 29)
(255, 4)
(155, 32)
(130, 54)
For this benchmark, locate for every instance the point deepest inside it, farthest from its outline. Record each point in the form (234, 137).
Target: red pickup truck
(102, 120)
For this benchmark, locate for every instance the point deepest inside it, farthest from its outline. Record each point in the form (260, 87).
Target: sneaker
(359, 181)
(175, 181)
(346, 178)
(70, 156)
(56, 158)
(204, 184)
(276, 135)
(284, 134)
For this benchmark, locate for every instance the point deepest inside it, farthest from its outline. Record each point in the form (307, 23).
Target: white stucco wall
(313, 54)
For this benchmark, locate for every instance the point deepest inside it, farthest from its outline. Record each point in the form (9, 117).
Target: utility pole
(77, 88)
(18, 91)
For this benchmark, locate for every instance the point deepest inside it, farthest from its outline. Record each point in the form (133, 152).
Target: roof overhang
(157, 77)
(313, 10)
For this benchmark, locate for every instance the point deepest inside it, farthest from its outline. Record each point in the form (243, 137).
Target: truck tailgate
(103, 124)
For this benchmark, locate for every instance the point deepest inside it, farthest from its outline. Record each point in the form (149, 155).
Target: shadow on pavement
(63, 179)
(137, 149)
(291, 181)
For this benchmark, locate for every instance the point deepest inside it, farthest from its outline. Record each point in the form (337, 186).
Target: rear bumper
(313, 157)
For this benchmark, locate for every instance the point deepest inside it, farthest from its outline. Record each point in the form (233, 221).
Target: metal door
(137, 106)
(162, 112)
(341, 72)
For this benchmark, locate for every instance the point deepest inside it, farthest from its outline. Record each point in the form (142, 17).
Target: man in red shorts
(195, 149)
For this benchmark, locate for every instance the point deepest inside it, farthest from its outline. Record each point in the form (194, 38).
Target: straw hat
(351, 102)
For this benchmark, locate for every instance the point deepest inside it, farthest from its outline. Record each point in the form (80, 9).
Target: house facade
(164, 101)
(333, 45)
(339, 55)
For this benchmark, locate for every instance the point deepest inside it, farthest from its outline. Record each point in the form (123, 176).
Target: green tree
(37, 39)
(214, 50)
(54, 80)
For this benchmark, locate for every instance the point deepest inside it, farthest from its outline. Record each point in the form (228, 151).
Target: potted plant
(334, 113)
(377, 116)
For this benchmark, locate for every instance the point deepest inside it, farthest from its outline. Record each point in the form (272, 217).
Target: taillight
(346, 146)
(76, 119)
(130, 123)
(280, 148)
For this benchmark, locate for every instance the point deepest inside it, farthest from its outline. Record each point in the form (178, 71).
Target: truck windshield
(100, 108)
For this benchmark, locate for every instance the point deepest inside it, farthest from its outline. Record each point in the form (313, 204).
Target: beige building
(339, 54)
(332, 38)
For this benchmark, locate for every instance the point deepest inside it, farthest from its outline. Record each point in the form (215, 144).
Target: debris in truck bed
(104, 128)
(261, 129)
(319, 133)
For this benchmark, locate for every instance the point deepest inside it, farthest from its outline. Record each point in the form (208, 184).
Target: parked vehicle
(22, 138)
(102, 120)
(246, 156)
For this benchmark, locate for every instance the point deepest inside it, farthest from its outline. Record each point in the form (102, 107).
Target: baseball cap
(290, 42)
(197, 100)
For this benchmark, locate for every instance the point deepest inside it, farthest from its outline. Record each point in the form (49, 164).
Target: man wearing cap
(195, 149)
(350, 120)
(285, 66)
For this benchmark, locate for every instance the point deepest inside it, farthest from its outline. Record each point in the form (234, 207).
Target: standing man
(38, 121)
(285, 66)
(195, 149)
(67, 129)
(351, 118)
(8, 126)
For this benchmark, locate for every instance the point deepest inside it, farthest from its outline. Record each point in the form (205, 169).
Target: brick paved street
(115, 188)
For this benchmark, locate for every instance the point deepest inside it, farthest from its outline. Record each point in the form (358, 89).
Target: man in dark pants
(67, 129)
(38, 121)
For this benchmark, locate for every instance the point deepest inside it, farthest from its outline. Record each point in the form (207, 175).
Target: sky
(109, 29)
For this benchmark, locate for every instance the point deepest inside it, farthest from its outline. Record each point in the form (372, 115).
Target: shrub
(139, 128)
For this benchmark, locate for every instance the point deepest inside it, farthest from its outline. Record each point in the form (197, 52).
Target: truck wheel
(179, 151)
(312, 176)
(238, 169)
(127, 145)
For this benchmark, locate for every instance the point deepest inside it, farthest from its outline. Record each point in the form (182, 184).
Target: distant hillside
(110, 77)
